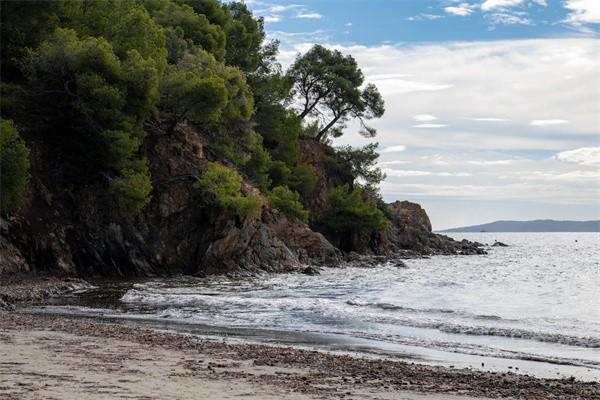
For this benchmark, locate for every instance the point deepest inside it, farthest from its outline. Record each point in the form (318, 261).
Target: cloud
(462, 10)
(309, 15)
(490, 162)
(583, 11)
(545, 122)
(422, 17)
(424, 117)
(496, 4)
(409, 173)
(348, 24)
(507, 18)
(395, 162)
(542, 3)
(489, 119)
(272, 18)
(589, 156)
(429, 126)
(394, 149)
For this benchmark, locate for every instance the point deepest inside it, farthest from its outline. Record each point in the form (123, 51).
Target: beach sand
(48, 357)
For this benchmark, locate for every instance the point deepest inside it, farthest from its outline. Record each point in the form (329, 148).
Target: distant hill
(540, 225)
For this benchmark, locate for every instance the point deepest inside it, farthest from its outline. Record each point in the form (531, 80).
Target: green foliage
(133, 188)
(221, 186)
(14, 167)
(328, 86)
(288, 202)
(99, 99)
(191, 93)
(88, 76)
(350, 211)
(126, 25)
(23, 25)
(193, 29)
(361, 162)
(303, 179)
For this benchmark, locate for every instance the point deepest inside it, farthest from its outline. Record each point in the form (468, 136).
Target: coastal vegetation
(90, 78)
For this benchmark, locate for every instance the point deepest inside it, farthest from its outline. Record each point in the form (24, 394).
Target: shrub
(303, 179)
(14, 164)
(349, 211)
(288, 202)
(221, 186)
(132, 190)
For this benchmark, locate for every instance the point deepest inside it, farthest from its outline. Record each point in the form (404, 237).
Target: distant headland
(540, 225)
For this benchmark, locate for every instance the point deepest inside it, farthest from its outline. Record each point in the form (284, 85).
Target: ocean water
(532, 307)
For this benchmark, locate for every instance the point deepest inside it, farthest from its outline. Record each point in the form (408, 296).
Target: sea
(532, 307)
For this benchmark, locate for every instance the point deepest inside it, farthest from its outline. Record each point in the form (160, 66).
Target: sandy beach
(46, 357)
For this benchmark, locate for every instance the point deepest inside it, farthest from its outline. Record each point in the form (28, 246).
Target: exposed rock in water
(410, 235)
(499, 244)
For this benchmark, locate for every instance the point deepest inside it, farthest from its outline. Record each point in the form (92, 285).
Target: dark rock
(499, 244)
(74, 229)
(310, 271)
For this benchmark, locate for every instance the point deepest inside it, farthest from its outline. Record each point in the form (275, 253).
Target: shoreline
(265, 370)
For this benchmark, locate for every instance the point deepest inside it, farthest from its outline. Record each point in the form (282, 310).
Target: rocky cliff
(72, 228)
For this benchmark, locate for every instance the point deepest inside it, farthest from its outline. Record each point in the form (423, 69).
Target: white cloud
(395, 162)
(424, 117)
(272, 18)
(309, 15)
(462, 10)
(394, 149)
(508, 18)
(495, 4)
(542, 3)
(348, 23)
(589, 156)
(489, 119)
(429, 126)
(278, 8)
(410, 173)
(422, 17)
(490, 162)
(545, 122)
(583, 11)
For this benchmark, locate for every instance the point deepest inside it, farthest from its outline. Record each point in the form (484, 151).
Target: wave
(443, 320)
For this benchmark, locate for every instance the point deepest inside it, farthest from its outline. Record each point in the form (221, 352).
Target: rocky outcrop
(328, 177)
(76, 231)
(409, 235)
(73, 229)
(11, 260)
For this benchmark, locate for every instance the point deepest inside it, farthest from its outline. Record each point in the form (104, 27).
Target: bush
(288, 202)
(221, 186)
(348, 211)
(14, 163)
(303, 179)
(132, 190)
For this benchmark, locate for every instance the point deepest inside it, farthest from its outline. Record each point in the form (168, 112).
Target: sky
(492, 106)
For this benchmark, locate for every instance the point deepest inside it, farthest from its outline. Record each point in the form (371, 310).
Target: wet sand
(48, 357)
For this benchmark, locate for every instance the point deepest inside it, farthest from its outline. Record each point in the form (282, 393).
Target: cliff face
(73, 229)
(410, 229)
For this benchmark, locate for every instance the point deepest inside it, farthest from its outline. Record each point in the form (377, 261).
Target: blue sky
(493, 106)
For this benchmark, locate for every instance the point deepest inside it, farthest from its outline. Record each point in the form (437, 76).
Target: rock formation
(74, 230)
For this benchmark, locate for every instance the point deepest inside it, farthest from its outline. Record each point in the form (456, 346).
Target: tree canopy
(14, 167)
(92, 79)
(328, 87)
